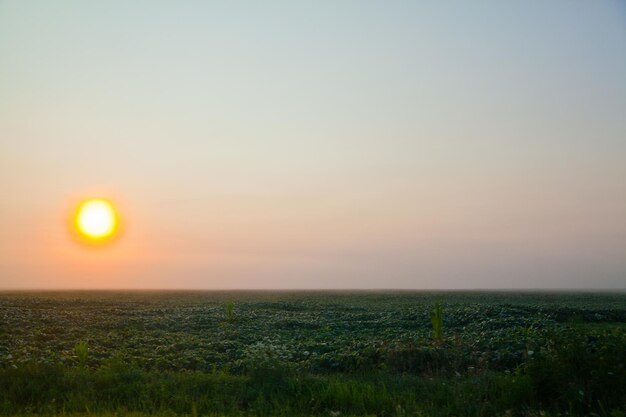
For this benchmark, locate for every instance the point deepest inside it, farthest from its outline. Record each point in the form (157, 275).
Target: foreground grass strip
(53, 390)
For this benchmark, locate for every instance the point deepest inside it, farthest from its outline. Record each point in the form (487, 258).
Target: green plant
(580, 372)
(229, 311)
(436, 318)
(81, 351)
(527, 334)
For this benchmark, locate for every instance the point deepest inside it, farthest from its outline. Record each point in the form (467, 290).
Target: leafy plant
(436, 318)
(81, 351)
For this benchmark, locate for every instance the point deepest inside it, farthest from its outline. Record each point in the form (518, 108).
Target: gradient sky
(338, 144)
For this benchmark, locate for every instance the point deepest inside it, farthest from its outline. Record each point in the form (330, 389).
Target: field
(312, 353)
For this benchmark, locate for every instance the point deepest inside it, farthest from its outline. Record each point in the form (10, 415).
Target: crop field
(312, 353)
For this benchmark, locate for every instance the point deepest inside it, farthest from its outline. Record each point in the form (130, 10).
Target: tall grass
(81, 350)
(54, 391)
(229, 311)
(436, 318)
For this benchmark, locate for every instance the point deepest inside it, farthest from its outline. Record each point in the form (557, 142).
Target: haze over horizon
(351, 145)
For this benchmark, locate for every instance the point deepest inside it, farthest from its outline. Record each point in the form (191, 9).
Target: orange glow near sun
(96, 221)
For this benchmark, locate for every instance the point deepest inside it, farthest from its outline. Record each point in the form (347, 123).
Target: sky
(302, 145)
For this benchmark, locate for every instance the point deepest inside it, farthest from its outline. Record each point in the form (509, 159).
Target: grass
(81, 351)
(436, 318)
(229, 311)
(550, 384)
(114, 389)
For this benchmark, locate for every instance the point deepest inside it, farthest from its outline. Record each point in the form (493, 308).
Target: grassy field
(312, 353)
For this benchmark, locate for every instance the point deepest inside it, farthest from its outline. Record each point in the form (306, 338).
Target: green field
(312, 353)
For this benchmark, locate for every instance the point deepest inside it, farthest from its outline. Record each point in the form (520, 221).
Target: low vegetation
(315, 353)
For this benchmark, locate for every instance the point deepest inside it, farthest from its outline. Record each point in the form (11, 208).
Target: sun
(96, 220)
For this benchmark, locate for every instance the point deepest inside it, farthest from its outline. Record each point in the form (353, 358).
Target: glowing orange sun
(96, 221)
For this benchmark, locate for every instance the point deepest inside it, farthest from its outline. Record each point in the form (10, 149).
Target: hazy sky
(338, 144)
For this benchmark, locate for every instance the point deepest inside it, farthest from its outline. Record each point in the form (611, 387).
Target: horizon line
(521, 289)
